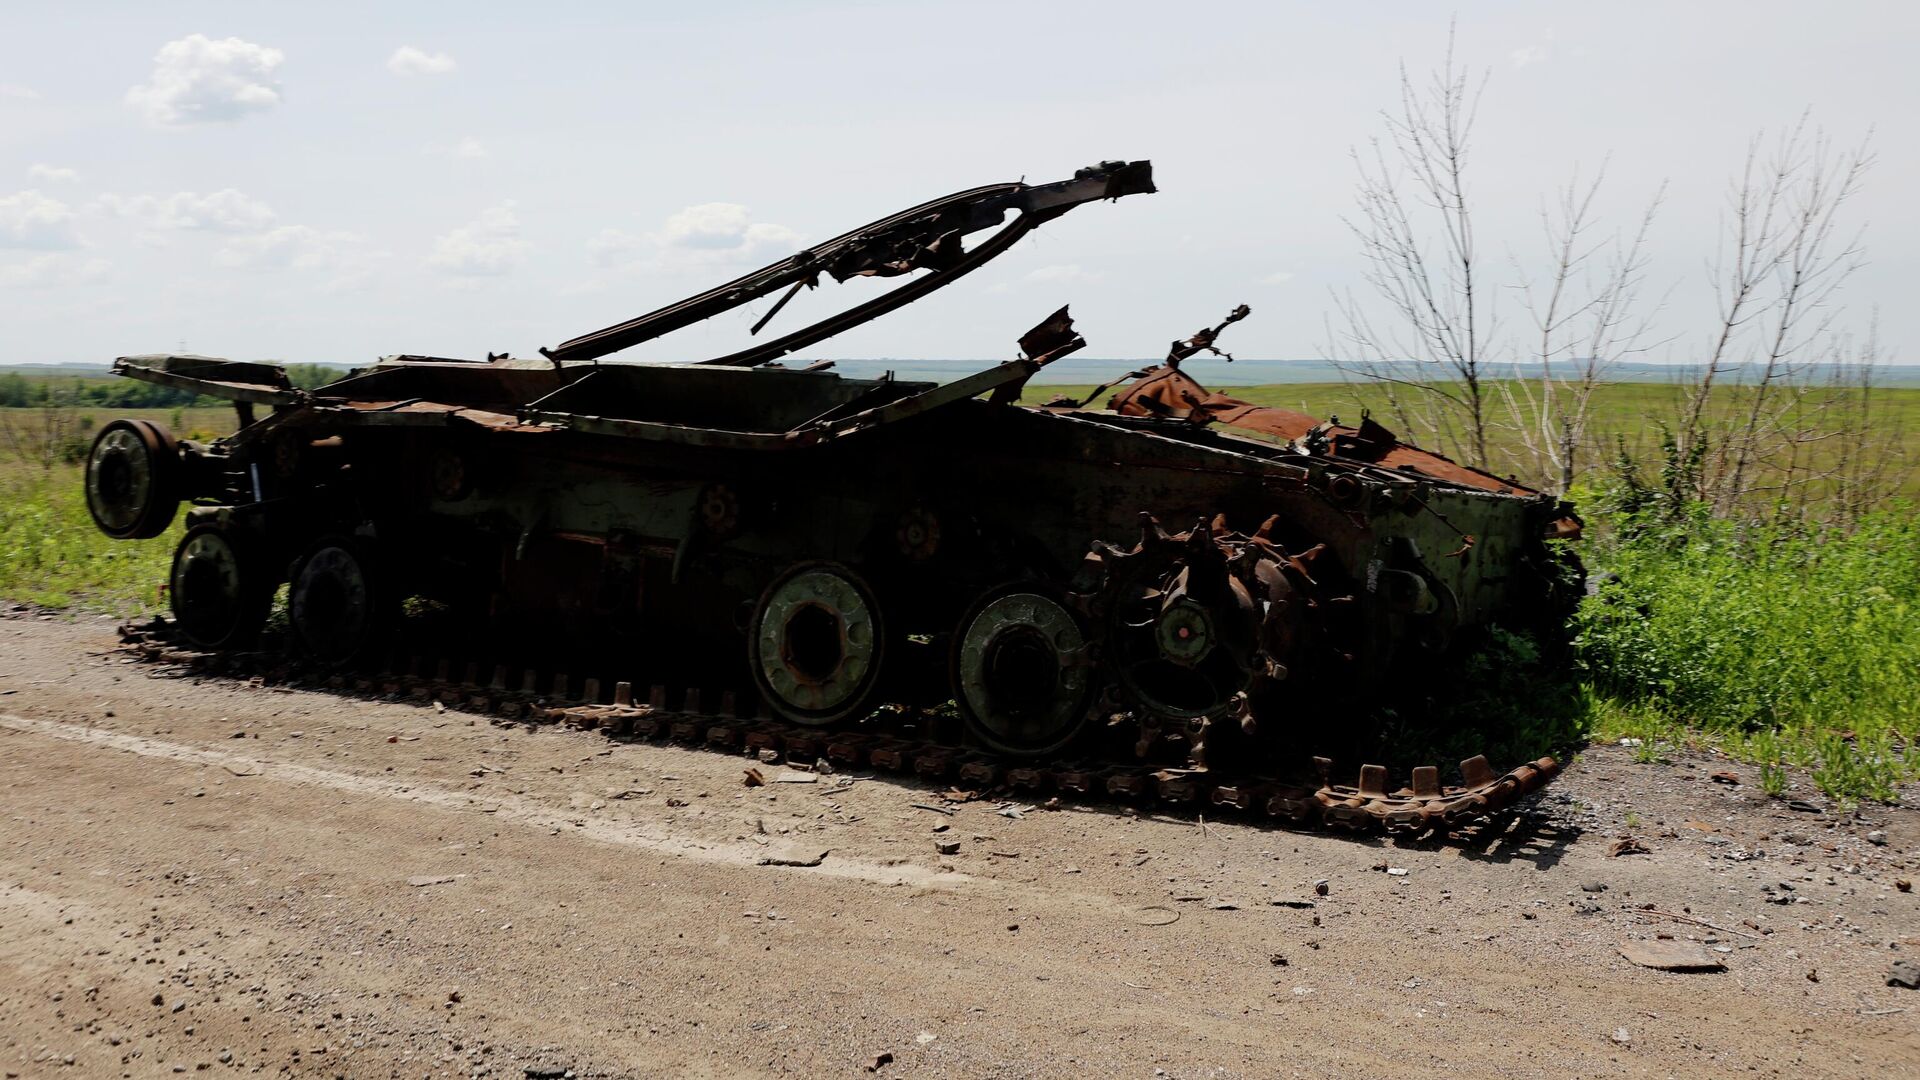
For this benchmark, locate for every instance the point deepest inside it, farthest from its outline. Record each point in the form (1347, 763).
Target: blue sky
(333, 182)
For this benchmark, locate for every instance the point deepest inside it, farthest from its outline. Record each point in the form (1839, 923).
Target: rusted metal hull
(1180, 574)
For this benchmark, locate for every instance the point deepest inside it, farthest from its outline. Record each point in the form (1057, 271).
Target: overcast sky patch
(488, 245)
(53, 271)
(226, 211)
(467, 149)
(34, 221)
(52, 174)
(407, 60)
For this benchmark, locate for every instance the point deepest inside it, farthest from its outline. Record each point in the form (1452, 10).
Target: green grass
(51, 555)
(1776, 645)
(50, 552)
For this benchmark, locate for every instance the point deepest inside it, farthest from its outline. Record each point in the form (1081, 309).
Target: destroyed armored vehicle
(1174, 565)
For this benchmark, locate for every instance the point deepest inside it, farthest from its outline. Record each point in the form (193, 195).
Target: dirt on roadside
(202, 877)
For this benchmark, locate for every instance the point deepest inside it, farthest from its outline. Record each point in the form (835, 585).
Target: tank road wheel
(133, 479)
(338, 601)
(1020, 674)
(219, 590)
(816, 643)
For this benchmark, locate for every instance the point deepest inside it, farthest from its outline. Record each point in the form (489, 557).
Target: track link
(930, 748)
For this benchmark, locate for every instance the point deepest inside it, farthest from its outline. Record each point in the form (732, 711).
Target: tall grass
(1779, 644)
(51, 554)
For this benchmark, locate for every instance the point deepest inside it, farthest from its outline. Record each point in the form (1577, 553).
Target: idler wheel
(133, 479)
(816, 642)
(338, 601)
(1020, 674)
(219, 589)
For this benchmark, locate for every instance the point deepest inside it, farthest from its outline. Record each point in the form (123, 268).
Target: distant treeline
(19, 390)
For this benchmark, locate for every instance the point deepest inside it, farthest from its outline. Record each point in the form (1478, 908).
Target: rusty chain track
(928, 747)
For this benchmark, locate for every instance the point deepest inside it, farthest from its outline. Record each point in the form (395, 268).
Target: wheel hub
(330, 603)
(816, 643)
(1185, 633)
(119, 479)
(1182, 626)
(205, 587)
(1019, 673)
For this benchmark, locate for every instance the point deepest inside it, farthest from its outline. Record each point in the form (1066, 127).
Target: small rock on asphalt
(1670, 954)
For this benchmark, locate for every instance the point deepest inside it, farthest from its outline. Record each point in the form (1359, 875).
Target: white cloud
(196, 80)
(407, 60)
(296, 246)
(29, 219)
(617, 247)
(302, 247)
(467, 149)
(226, 210)
(1278, 277)
(15, 90)
(489, 244)
(724, 227)
(706, 233)
(49, 271)
(52, 174)
(1063, 274)
(1537, 53)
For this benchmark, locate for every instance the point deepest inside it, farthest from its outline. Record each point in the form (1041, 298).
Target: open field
(1633, 411)
(50, 552)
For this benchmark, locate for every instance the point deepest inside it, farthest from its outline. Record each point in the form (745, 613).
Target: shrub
(1798, 642)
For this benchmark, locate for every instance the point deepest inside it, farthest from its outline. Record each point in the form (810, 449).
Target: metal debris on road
(784, 860)
(1697, 922)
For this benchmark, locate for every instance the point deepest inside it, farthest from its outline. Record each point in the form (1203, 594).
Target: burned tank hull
(1145, 573)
